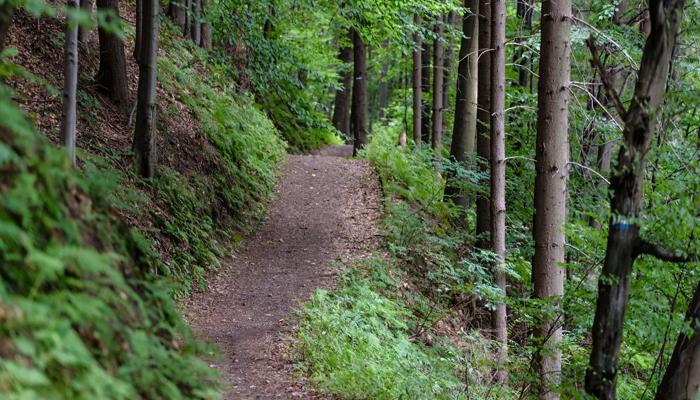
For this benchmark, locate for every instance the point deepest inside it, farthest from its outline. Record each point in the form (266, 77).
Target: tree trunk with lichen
(498, 180)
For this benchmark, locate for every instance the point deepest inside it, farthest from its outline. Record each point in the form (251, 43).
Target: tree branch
(605, 78)
(663, 254)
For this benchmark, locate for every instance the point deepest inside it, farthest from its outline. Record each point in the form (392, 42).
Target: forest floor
(325, 213)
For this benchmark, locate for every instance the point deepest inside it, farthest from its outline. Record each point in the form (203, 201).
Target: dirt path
(326, 209)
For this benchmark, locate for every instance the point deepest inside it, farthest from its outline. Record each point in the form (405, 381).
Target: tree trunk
(341, 109)
(205, 28)
(464, 129)
(450, 20)
(383, 95)
(524, 13)
(425, 88)
(144, 135)
(83, 32)
(187, 26)
(70, 85)
(196, 24)
(498, 176)
(417, 79)
(682, 378)
(552, 159)
(483, 117)
(206, 42)
(436, 140)
(138, 28)
(627, 187)
(360, 111)
(177, 12)
(111, 75)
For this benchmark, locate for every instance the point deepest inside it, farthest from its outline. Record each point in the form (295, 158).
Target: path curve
(326, 209)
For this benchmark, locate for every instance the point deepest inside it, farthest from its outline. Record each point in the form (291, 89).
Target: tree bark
(111, 75)
(187, 27)
(450, 20)
(483, 117)
(436, 139)
(417, 79)
(524, 13)
(196, 24)
(144, 134)
(360, 111)
(341, 109)
(464, 129)
(552, 159)
(205, 40)
(425, 88)
(682, 378)
(177, 12)
(138, 28)
(83, 32)
(383, 92)
(498, 177)
(70, 85)
(627, 187)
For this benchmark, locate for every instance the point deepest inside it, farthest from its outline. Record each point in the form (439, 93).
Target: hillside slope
(93, 257)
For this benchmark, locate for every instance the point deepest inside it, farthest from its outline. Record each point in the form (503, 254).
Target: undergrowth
(81, 315)
(402, 325)
(196, 214)
(92, 257)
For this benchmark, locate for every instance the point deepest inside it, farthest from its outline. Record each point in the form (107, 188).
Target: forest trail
(326, 210)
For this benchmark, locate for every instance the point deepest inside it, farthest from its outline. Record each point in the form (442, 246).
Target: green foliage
(290, 70)
(357, 344)
(375, 336)
(81, 315)
(243, 136)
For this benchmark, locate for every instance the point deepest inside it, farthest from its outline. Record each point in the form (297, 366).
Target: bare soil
(325, 212)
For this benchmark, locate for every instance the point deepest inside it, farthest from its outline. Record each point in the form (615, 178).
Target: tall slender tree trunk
(70, 84)
(187, 27)
(425, 88)
(627, 188)
(138, 37)
(498, 177)
(111, 75)
(524, 12)
(450, 20)
(464, 130)
(83, 32)
(383, 92)
(196, 24)
(483, 126)
(341, 109)
(436, 139)
(417, 79)
(7, 11)
(177, 12)
(552, 159)
(144, 134)
(205, 41)
(360, 111)
(682, 378)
